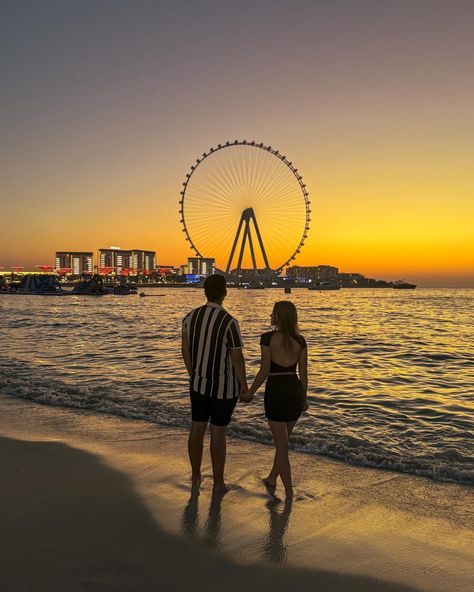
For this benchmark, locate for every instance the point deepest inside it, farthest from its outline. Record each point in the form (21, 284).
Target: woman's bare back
(280, 354)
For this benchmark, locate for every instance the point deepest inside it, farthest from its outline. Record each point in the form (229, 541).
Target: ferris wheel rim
(261, 146)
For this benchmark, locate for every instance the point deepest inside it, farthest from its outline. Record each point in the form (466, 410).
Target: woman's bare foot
(269, 483)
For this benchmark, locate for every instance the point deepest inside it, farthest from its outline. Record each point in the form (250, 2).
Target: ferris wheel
(245, 205)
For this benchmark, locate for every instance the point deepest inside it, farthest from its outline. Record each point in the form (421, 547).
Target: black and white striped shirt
(212, 332)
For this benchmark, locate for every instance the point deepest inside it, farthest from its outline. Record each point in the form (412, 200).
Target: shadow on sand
(69, 522)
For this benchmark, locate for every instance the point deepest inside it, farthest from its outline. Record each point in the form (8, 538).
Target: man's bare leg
(218, 455)
(195, 446)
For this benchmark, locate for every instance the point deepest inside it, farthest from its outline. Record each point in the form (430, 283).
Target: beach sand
(97, 502)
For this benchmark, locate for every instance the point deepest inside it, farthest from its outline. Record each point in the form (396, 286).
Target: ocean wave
(20, 381)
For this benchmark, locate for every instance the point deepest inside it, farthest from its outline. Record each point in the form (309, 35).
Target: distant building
(77, 261)
(352, 280)
(201, 266)
(114, 259)
(313, 273)
(118, 260)
(143, 260)
(245, 276)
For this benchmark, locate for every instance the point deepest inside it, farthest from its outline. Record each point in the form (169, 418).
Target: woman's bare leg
(282, 462)
(271, 480)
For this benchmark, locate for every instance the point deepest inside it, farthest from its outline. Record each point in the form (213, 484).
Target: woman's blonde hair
(285, 319)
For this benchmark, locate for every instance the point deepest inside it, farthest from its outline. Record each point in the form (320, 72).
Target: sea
(391, 372)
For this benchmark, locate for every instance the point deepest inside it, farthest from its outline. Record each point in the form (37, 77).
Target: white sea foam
(452, 466)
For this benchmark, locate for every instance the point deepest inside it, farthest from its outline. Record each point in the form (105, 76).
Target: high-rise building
(201, 266)
(313, 273)
(114, 258)
(144, 260)
(118, 260)
(77, 261)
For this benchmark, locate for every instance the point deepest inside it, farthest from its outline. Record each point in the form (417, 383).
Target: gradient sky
(104, 105)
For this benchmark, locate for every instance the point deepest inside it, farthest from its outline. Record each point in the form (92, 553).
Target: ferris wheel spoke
(264, 173)
(198, 199)
(271, 189)
(278, 183)
(217, 200)
(213, 183)
(224, 179)
(212, 187)
(213, 247)
(237, 173)
(253, 171)
(231, 172)
(202, 232)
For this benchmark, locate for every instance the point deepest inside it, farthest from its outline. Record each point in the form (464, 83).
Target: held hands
(245, 395)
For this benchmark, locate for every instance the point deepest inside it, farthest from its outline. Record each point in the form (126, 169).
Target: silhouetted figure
(283, 350)
(212, 353)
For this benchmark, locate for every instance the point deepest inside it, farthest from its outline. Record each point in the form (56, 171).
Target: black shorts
(205, 408)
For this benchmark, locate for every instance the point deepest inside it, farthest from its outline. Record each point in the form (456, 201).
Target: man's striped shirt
(212, 332)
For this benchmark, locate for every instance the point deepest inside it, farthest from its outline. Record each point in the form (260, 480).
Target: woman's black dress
(284, 392)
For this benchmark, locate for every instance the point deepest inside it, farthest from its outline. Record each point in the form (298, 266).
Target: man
(212, 353)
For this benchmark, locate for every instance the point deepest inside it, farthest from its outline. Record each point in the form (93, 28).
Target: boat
(124, 288)
(401, 285)
(37, 284)
(89, 285)
(324, 286)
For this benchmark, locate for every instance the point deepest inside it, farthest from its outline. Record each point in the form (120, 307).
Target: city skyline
(104, 111)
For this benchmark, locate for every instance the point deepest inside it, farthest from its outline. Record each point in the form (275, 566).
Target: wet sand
(96, 502)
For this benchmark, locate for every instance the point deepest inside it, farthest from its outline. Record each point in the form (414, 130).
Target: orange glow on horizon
(373, 107)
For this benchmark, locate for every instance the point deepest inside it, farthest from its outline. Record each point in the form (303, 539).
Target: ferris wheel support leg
(260, 242)
(236, 239)
(252, 252)
(242, 246)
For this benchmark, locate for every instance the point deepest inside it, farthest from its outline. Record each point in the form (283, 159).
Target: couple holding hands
(212, 352)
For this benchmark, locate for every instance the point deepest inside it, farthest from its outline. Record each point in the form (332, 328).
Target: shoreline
(48, 392)
(346, 526)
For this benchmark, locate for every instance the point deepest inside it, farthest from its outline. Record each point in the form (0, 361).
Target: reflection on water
(390, 372)
(213, 522)
(274, 548)
(190, 518)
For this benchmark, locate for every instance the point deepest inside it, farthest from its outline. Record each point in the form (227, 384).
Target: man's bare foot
(220, 488)
(196, 480)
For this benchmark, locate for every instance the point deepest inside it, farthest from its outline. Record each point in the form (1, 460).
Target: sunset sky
(104, 105)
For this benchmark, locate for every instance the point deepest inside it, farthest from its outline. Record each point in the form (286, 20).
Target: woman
(283, 349)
